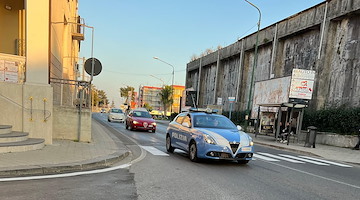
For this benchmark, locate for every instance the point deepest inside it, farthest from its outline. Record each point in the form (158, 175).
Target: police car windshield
(213, 121)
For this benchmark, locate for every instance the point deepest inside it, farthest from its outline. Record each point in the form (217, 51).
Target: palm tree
(166, 96)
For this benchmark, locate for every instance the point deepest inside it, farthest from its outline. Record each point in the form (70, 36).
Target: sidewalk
(106, 150)
(66, 156)
(324, 151)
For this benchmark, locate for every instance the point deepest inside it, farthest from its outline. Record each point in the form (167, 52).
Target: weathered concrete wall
(324, 38)
(66, 123)
(208, 83)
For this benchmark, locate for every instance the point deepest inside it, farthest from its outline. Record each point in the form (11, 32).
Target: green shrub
(345, 121)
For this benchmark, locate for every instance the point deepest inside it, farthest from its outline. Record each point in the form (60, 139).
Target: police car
(206, 135)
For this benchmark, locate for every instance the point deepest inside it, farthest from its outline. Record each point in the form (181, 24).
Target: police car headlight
(135, 122)
(153, 123)
(208, 139)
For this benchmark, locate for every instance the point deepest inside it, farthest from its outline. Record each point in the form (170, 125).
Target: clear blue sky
(129, 33)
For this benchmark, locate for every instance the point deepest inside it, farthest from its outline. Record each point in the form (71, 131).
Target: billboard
(273, 91)
(302, 84)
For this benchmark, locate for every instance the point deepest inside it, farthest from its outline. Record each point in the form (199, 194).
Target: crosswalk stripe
(280, 158)
(305, 160)
(325, 161)
(154, 151)
(264, 157)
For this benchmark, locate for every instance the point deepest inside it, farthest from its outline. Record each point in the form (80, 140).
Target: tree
(148, 107)
(103, 100)
(95, 95)
(124, 92)
(166, 97)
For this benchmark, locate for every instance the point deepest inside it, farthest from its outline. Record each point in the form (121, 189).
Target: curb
(66, 168)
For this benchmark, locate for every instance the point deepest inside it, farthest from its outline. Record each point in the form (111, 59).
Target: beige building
(39, 69)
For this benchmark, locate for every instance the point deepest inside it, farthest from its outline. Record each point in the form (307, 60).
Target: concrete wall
(347, 141)
(324, 38)
(27, 108)
(66, 121)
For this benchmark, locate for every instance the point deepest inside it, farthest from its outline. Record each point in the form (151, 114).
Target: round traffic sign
(97, 66)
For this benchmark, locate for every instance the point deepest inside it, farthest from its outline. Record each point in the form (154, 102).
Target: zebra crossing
(269, 157)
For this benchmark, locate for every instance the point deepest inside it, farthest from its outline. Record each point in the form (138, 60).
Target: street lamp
(157, 78)
(173, 74)
(255, 59)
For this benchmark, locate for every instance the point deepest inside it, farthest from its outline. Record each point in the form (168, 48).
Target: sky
(129, 33)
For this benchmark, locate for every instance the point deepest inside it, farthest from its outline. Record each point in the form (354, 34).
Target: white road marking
(325, 161)
(280, 158)
(154, 151)
(65, 175)
(264, 158)
(305, 160)
(314, 175)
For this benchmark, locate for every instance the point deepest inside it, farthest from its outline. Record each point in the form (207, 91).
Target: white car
(116, 115)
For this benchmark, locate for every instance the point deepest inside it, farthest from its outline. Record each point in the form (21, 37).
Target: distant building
(150, 95)
(178, 93)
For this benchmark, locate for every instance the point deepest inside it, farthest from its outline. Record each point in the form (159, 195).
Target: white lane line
(65, 175)
(305, 160)
(154, 151)
(325, 161)
(280, 158)
(264, 158)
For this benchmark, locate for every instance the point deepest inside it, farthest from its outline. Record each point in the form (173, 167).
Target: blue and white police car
(206, 135)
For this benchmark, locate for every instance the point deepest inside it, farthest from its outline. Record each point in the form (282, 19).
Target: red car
(140, 120)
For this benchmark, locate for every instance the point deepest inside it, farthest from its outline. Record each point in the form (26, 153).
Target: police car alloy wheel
(169, 148)
(193, 152)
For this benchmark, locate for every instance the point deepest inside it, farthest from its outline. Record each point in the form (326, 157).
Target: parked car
(140, 119)
(205, 135)
(103, 110)
(116, 115)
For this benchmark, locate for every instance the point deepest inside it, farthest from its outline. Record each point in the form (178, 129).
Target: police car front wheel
(169, 148)
(193, 152)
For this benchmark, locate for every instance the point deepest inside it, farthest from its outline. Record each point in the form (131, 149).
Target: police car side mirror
(239, 128)
(186, 124)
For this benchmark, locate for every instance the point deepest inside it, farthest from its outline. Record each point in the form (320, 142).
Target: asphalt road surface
(156, 174)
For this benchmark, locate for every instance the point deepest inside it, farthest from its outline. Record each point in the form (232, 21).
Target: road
(155, 174)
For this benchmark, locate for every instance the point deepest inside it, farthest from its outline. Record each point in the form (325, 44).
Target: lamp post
(172, 82)
(255, 60)
(157, 78)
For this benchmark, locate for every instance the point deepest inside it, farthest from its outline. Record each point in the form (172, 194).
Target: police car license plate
(224, 155)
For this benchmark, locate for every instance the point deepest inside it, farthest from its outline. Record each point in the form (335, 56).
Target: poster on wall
(11, 66)
(11, 77)
(302, 84)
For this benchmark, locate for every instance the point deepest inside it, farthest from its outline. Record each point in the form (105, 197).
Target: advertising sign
(219, 101)
(302, 84)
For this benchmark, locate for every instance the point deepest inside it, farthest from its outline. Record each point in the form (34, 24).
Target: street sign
(97, 66)
(231, 99)
(219, 101)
